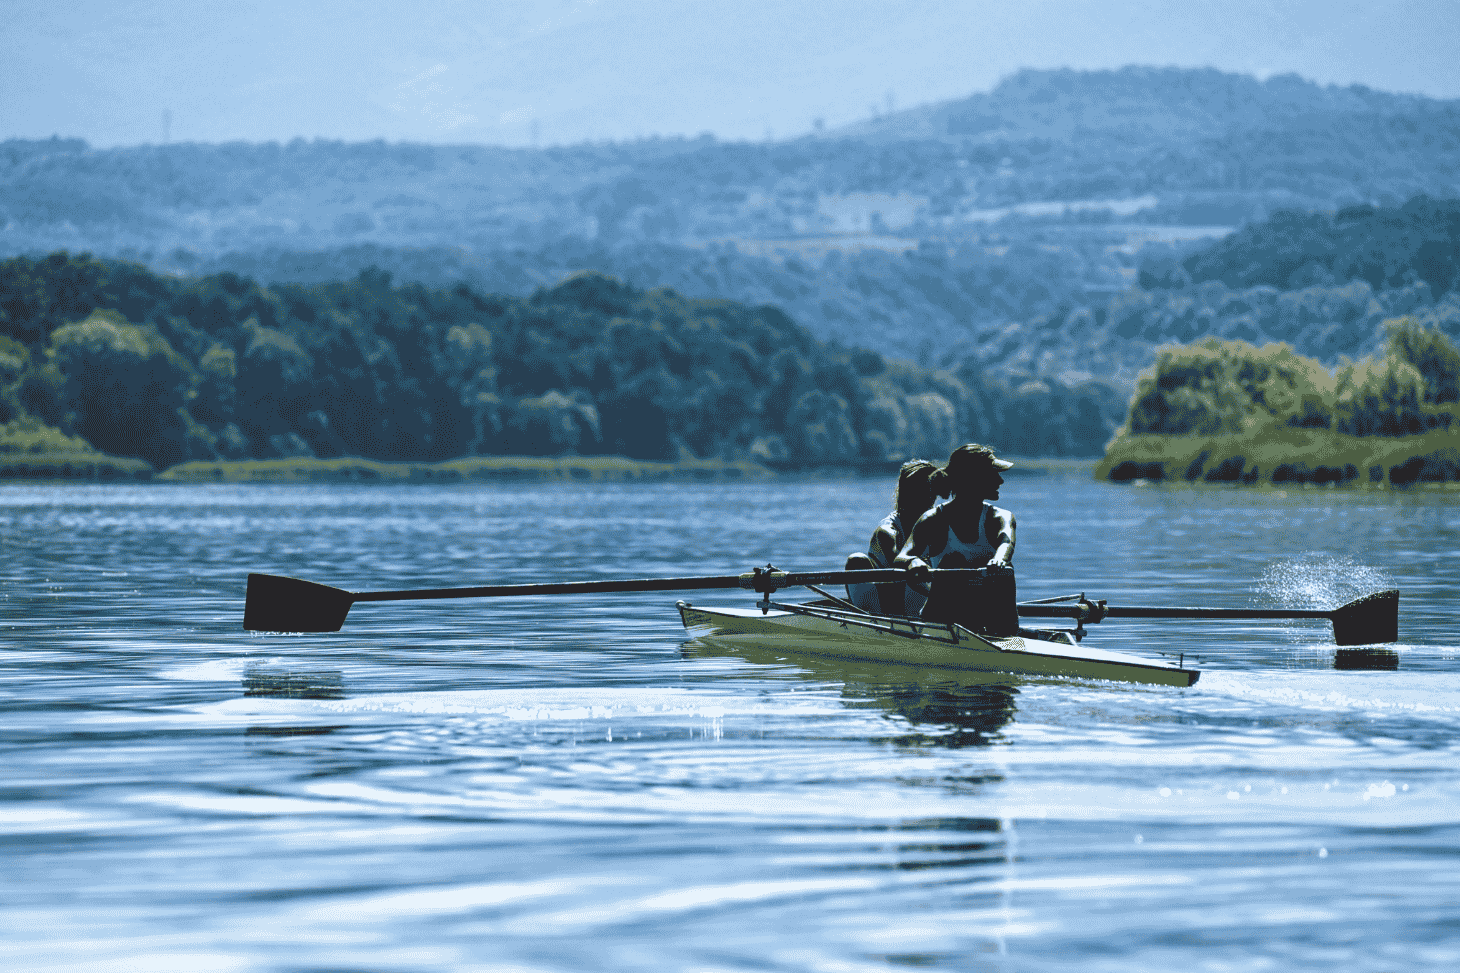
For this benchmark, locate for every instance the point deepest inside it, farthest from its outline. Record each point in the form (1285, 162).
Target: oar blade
(1369, 620)
(276, 604)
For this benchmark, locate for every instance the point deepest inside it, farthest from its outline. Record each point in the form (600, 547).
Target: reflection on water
(555, 784)
(970, 716)
(263, 680)
(943, 843)
(292, 731)
(946, 708)
(1366, 657)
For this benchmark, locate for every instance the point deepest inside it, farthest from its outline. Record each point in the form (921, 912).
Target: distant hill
(1321, 282)
(916, 304)
(1164, 102)
(1029, 310)
(972, 229)
(1201, 143)
(1384, 247)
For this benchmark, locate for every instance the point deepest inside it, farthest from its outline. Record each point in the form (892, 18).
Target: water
(562, 784)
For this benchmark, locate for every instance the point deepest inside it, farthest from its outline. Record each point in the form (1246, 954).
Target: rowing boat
(822, 628)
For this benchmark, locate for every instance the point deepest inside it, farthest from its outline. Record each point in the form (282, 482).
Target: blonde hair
(913, 485)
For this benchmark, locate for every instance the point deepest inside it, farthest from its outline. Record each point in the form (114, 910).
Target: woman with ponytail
(967, 531)
(910, 498)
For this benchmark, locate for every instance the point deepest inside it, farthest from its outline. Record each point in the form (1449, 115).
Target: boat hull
(829, 632)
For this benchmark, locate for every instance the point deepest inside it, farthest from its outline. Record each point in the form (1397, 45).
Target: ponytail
(912, 496)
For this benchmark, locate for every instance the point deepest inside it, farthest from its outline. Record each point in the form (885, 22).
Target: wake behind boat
(823, 629)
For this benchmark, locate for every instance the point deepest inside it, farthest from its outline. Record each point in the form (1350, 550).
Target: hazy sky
(504, 71)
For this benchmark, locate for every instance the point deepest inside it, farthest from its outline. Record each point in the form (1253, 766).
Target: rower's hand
(999, 569)
(918, 569)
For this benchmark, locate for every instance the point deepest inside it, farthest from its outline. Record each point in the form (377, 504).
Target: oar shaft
(553, 588)
(777, 580)
(1119, 611)
(1034, 610)
(1369, 620)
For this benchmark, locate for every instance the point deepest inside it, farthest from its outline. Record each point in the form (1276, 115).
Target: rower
(911, 497)
(967, 531)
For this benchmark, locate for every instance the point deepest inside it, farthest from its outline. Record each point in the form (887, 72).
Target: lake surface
(566, 784)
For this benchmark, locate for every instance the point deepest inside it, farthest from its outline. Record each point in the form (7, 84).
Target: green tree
(1399, 394)
(1217, 387)
(126, 389)
(14, 360)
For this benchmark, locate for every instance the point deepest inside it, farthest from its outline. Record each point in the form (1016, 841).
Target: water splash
(1316, 580)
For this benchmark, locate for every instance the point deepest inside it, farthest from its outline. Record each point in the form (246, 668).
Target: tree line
(169, 369)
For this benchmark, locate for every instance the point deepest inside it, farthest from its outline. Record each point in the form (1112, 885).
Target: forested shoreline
(109, 356)
(112, 369)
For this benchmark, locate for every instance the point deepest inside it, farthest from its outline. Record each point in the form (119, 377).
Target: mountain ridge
(925, 248)
(1083, 100)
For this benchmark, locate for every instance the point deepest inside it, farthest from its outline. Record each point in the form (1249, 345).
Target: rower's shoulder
(1002, 516)
(933, 514)
(885, 534)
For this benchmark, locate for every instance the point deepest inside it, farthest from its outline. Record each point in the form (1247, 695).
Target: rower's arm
(917, 544)
(1003, 538)
(883, 547)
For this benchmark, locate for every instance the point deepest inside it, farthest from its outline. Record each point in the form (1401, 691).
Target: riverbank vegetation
(1231, 412)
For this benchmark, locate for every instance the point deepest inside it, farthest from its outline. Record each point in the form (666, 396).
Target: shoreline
(1274, 457)
(582, 469)
(1282, 456)
(100, 468)
(74, 467)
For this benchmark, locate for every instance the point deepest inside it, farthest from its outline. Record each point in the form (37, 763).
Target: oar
(277, 604)
(1368, 620)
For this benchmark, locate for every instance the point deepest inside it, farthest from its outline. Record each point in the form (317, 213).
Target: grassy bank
(467, 470)
(96, 466)
(93, 467)
(32, 450)
(1048, 465)
(1285, 455)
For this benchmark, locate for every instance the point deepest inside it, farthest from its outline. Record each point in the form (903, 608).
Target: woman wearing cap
(910, 498)
(967, 531)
